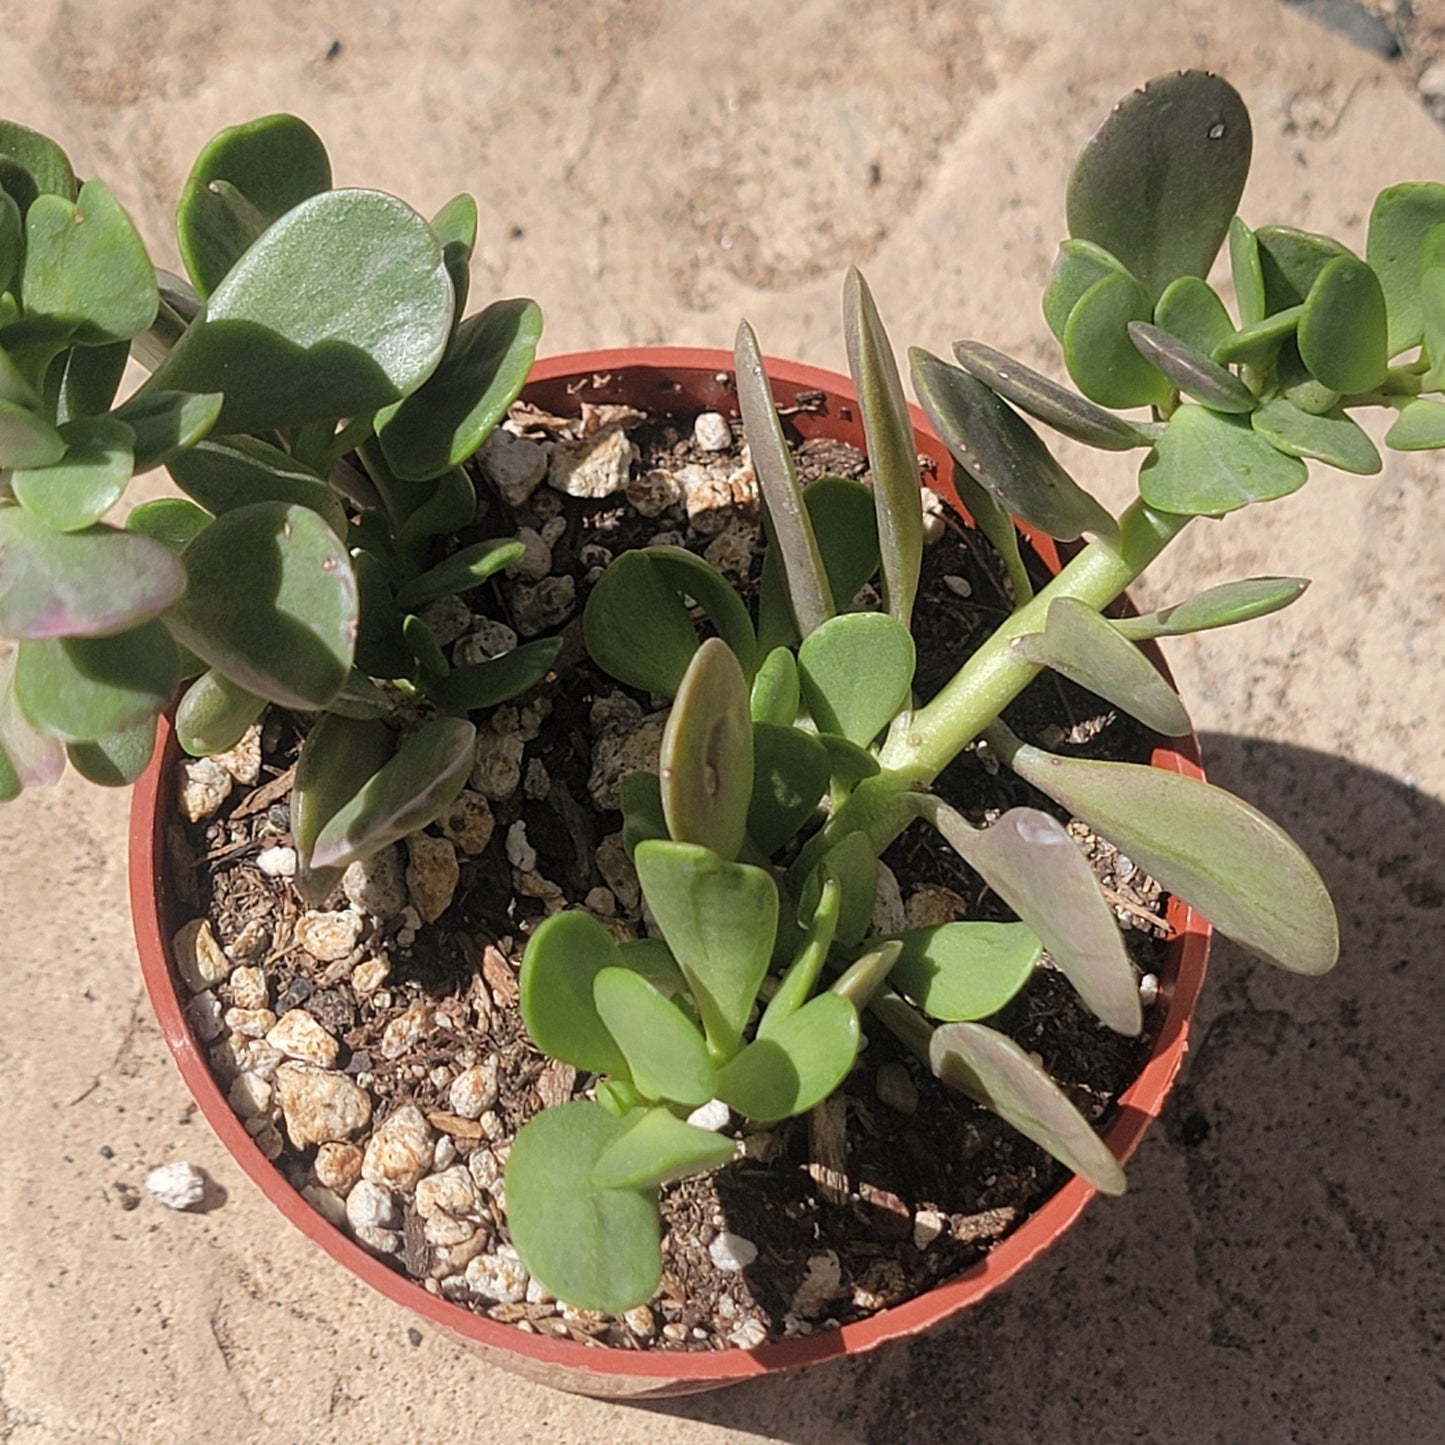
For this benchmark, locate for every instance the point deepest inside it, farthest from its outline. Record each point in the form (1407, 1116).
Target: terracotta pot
(660, 380)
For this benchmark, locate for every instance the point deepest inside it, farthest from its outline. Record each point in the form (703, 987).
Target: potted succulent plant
(316, 399)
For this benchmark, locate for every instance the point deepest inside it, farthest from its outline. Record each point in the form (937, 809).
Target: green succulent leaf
(597, 1248)
(1333, 437)
(413, 789)
(26, 438)
(456, 228)
(1085, 647)
(995, 1072)
(1046, 401)
(852, 863)
(12, 239)
(1432, 306)
(1191, 310)
(1242, 871)
(449, 506)
(791, 769)
(1343, 329)
(1259, 344)
(797, 983)
(1402, 217)
(995, 523)
(1098, 352)
(1077, 267)
(83, 380)
(454, 411)
(851, 764)
(381, 650)
(1247, 272)
(562, 961)
(706, 761)
(658, 1149)
(789, 529)
(86, 267)
(225, 474)
(1191, 371)
(640, 798)
(892, 453)
(29, 756)
(15, 386)
(83, 688)
(460, 572)
(1003, 454)
(1291, 261)
(167, 422)
(719, 918)
(866, 975)
(1295, 384)
(45, 163)
(855, 672)
(666, 1055)
(1206, 465)
(213, 714)
(1419, 427)
(776, 693)
(272, 164)
(271, 602)
(89, 583)
(1220, 606)
(118, 760)
(341, 307)
(801, 1061)
(686, 573)
(959, 971)
(79, 489)
(636, 627)
(1029, 860)
(496, 679)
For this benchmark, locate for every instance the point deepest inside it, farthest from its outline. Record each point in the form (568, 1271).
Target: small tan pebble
(895, 1087)
(319, 1105)
(401, 1149)
(613, 708)
(554, 1083)
(370, 974)
(448, 618)
(251, 1023)
(748, 1335)
(453, 1191)
(249, 988)
(485, 1169)
(432, 874)
(446, 1150)
(732, 551)
(249, 1095)
(442, 1230)
(267, 1136)
(617, 871)
(513, 464)
(204, 786)
(934, 525)
(933, 903)
(454, 1258)
(475, 1090)
(709, 498)
(711, 432)
(408, 1029)
(1149, 989)
(500, 1277)
(486, 640)
(338, 1166)
(595, 467)
(277, 862)
(250, 943)
(675, 1331)
(731, 1253)
(469, 822)
(601, 900)
(536, 559)
(497, 772)
(368, 1205)
(326, 1202)
(243, 761)
(539, 1294)
(928, 1225)
(541, 606)
(376, 886)
(622, 750)
(535, 781)
(378, 1241)
(298, 1035)
(329, 936)
(640, 1321)
(199, 958)
(821, 1284)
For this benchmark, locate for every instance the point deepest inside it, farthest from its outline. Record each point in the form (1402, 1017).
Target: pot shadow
(1274, 1271)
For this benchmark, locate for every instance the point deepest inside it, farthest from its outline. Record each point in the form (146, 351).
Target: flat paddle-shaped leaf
(1330, 437)
(658, 1149)
(1220, 606)
(958, 971)
(666, 1055)
(1206, 465)
(562, 960)
(856, 671)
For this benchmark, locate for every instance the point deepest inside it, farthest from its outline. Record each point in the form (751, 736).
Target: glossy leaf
(216, 226)
(271, 602)
(563, 959)
(1402, 217)
(86, 266)
(1258, 344)
(797, 983)
(995, 1072)
(997, 525)
(667, 1057)
(595, 1247)
(83, 688)
(454, 411)
(1207, 465)
(1419, 427)
(460, 572)
(1077, 267)
(1085, 647)
(413, 789)
(958, 971)
(341, 307)
(1291, 261)
(1247, 272)
(26, 438)
(83, 380)
(450, 506)
(791, 769)
(80, 584)
(1343, 329)
(1220, 606)
(496, 679)
(1098, 352)
(1191, 310)
(776, 694)
(274, 163)
(892, 453)
(1046, 401)
(852, 863)
(118, 760)
(79, 489)
(706, 761)
(167, 422)
(790, 533)
(1029, 860)
(1191, 371)
(658, 1149)
(1334, 437)
(1003, 454)
(225, 474)
(719, 919)
(797, 1065)
(686, 573)
(48, 166)
(636, 626)
(1242, 871)
(456, 228)
(855, 672)
(213, 714)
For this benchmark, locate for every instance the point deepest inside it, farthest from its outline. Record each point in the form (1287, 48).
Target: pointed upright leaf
(796, 985)
(657, 1149)
(1206, 465)
(667, 1057)
(1247, 271)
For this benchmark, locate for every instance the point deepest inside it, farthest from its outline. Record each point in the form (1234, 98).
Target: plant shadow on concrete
(1275, 1273)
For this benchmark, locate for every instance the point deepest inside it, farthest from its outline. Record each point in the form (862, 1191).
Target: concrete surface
(649, 171)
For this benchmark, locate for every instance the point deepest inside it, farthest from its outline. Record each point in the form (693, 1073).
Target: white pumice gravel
(731, 1253)
(177, 1185)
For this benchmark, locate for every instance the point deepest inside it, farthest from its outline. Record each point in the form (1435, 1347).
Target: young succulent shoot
(314, 392)
(796, 750)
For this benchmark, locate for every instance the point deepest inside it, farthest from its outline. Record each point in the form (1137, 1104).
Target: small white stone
(486, 640)
(641, 1321)
(329, 936)
(453, 1191)
(895, 1087)
(711, 432)
(497, 772)
(448, 618)
(934, 524)
(204, 786)
(407, 1029)
(338, 1166)
(203, 1013)
(320, 1106)
(469, 822)
(539, 1294)
(243, 761)
(713, 1115)
(499, 1278)
(432, 873)
(249, 988)
(822, 1282)
(370, 1206)
(277, 862)
(485, 1169)
(401, 1149)
(444, 1230)
(520, 853)
(177, 1185)
(514, 465)
(452, 1259)
(474, 1090)
(198, 956)
(731, 1252)
(250, 1023)
(298, 1035)
(1149, 989)
(379, 1241)
(709, 497)
(928, 1225)
(542, 606)
(1432, 81)
(536, 559)
(376, 885)
(748, 1335)
(446, 1152)
(594, 467)
(326, 1202)
(370, 974)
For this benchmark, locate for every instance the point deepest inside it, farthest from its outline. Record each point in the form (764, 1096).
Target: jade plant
(314, 389)
(796, 750)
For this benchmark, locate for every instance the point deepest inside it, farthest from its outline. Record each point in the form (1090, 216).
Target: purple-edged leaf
(80, 584)
(789, 530)
(1029, 860)
(29, 757)
(1242, 871)
(562, 960)
(419, 784)
(214, 713)
(1190, 370)
(856, 671)
(1003, 454)
(1220, 606)
(666, 1055)
(117, 760)
(995, 1072)
(658, 1149)
(79, 489)
(1085, 647)
(961, 971)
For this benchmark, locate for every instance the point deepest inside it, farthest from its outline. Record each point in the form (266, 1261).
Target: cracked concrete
(1275, 1272)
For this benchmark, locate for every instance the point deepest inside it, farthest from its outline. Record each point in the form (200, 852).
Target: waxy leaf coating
(1077, 267)
(958, 971)
(1419, 427)
(1191, 310)
(1332, 437)
(213, 714)
(223, 474)
(1101, 358)
(1343, 329)
(666, 1055)
(1402, 217)
(1215, 607)
(79, 489)
(1207, 465)
(1291, 261)
(856, 671)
